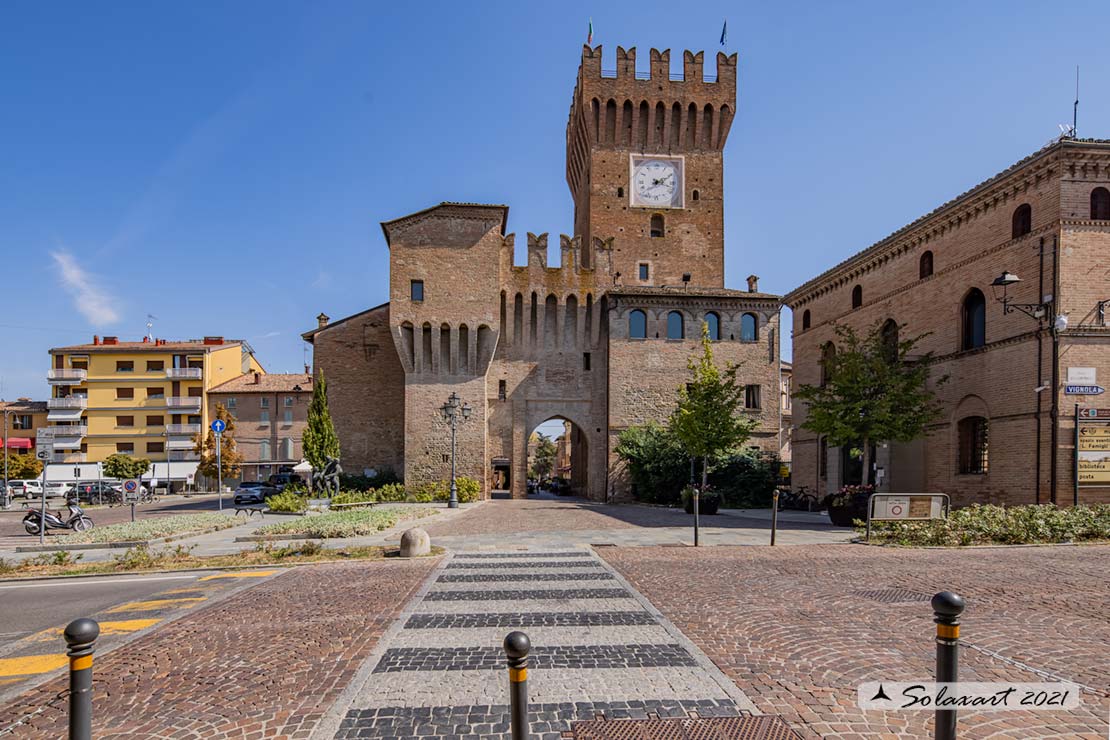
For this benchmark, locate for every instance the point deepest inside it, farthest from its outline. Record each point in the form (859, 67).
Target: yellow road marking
(6, 681)
(106, 628)
(241, 574)
(31, 664)
(145, 606)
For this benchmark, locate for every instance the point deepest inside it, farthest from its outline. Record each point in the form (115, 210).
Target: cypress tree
(319, 439)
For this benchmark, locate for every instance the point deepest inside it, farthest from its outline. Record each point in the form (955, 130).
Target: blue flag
(724, 33)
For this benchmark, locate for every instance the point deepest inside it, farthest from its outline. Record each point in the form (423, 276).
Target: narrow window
(585, 360)
(657, 227)
(857, 296)
(264, 449)
(751, 397)
(805, 319)
(675, 326)
(889, 337)
(695, 195)
(1022, 221)
(502, 390)
(925, 265)
(645, 271)
(974, 319)
(264, 417)
(637, 324)
(822, 458)
(287, 417)
(287, 448)
(416, 290)
(713, 323)
(620, 192)
(828, 359)
(1100, 204)
(749, 328)
(974, 444)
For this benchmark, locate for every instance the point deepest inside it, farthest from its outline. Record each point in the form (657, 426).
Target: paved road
(36, 605)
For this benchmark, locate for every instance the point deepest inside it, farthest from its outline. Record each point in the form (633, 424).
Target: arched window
(287, 448)
(828, 355)
(264, 453)
(749, 328)
(637, 324)
(974, 434)
(676, 328)
(713, 322)
(925, 265)
(1100, 204)
(974, 320)
(857, 296)
(889, 336)
(805, 319)
(657, 227)
(1023, 220)
(696, 195)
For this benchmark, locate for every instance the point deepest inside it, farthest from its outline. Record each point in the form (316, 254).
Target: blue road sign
(218, 426)
(1084, 390)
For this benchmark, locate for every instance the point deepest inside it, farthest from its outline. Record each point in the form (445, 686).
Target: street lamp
(451, 412)
(1004, 281)
(5, 497)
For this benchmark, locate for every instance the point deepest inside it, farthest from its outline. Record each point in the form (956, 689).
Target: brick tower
(645, 165)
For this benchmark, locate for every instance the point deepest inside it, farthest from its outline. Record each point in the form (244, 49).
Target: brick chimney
(322, 320)
(96, 340)
(111, 340)
(257, 378)
(753, 283)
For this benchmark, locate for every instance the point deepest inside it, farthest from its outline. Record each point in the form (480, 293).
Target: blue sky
(224, 166)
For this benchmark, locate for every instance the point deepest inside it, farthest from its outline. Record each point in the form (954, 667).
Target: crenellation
(626, 63)
(692, 66)
(660, 65)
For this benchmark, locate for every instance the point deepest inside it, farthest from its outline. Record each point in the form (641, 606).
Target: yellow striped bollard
(517, 646)
(80, 636)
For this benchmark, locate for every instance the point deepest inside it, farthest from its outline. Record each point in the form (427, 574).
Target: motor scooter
(77, 521)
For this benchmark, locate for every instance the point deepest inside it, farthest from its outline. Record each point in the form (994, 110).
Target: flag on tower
(724, 32)
(590, 33)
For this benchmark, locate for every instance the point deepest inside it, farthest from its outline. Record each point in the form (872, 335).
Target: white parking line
(81, 581)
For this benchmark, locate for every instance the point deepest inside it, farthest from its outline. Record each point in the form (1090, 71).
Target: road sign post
(44, 456)
(131, 490)
(218, 427)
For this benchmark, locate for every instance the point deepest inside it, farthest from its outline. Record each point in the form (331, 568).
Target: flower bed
(344, 523)
(150, 529)
(1000, 525)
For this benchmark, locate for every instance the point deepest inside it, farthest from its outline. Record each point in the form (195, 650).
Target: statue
(327, 479)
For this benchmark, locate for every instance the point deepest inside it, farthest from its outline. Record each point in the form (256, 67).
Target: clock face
(657, 182)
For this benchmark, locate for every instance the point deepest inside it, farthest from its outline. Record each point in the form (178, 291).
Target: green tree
(543, 456)
(872, 391)
(319, 440)
(204, 445)
(125, 466)
(23, 466)
(709, 419)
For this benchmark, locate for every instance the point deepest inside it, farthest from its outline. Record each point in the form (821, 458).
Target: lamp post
(1042, 314)
(6, 497)
(451, 411)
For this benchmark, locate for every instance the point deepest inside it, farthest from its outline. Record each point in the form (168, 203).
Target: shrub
(344, 523)
(745, 480)
(355, 497)
(391, 492)
(1001, 525)
(708, 502)
(427, 492)
(60, 557)
(468, 489)
(383, 477)
(147, 529)
(287, 501)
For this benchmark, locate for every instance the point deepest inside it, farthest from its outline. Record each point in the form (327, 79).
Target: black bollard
(80, 636)
(517, 646)
(947, 608)
(774, 515)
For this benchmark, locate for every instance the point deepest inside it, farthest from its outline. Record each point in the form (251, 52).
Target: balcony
(183, 373)
(73, 457)
(66, 375)
(182, 456)
(80, 430)
(178, 429)
(173, 445)
(69, 402)
(191, 403)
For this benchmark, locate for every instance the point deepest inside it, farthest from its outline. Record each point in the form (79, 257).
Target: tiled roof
(308, 335)
(34, 407)
(889, 240)
(191, 345)
(267, 383)
(448, 204)
(693, 292)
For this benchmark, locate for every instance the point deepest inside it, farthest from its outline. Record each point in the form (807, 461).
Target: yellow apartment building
(146, 398)
(21, 420)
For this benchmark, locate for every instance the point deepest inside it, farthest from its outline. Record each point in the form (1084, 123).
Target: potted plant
(849, 503)
(708, 502)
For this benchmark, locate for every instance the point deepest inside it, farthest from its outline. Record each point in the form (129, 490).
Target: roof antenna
(1075, 108)
(150, 319)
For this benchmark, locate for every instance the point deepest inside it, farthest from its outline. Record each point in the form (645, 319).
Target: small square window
(287, 418)
(645, 271)
(155, 392)
(155, 446)
(125, 366)
(264, 402)
(288, 401)
(416, 290)
(123, 393)
(264, 417)
(585, 360)
(155, 366)
(230, 403)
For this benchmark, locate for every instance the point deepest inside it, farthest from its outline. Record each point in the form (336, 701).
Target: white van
(30, 488)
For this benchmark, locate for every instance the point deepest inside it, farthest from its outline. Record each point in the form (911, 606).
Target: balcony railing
(182, 456)
(183, 402)
(183, 429)
(56, 432)
(183, 373)
(66, 375)
(69, 402)
(73, 457)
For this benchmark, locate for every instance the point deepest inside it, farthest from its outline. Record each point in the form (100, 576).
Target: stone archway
(586, 474)
(566, 465)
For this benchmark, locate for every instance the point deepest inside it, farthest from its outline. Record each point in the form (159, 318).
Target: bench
(251, 509)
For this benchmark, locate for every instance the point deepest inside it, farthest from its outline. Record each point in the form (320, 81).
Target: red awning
(18, 443)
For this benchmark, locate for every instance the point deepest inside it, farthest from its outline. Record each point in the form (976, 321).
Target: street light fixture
(1004, 281)
(451, 411)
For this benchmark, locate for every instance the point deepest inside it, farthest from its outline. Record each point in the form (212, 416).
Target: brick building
(271, 413)
(1007, 431)
(602, 339)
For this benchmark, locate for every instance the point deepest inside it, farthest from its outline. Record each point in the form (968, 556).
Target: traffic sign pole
(219, 472)
(42, 511)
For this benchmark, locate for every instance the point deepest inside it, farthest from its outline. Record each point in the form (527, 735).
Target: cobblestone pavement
(598, 654)
(265, 663)
(799, 628)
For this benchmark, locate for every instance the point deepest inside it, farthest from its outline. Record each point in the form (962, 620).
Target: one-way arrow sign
(1084, 390)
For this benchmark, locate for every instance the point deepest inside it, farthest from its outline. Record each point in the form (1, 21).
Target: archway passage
(558, 456)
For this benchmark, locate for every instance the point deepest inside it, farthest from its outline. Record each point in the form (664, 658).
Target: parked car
(30, 487)
(281, 480)
(253, 492)
(96, 491)
(57, 488)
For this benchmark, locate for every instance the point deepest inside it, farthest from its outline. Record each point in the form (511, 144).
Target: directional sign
(1094, 414)
(1084, 390)
(218, 426)
(130, 491)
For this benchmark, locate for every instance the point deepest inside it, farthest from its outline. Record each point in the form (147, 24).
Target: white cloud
(270, 335)
(90, 299)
